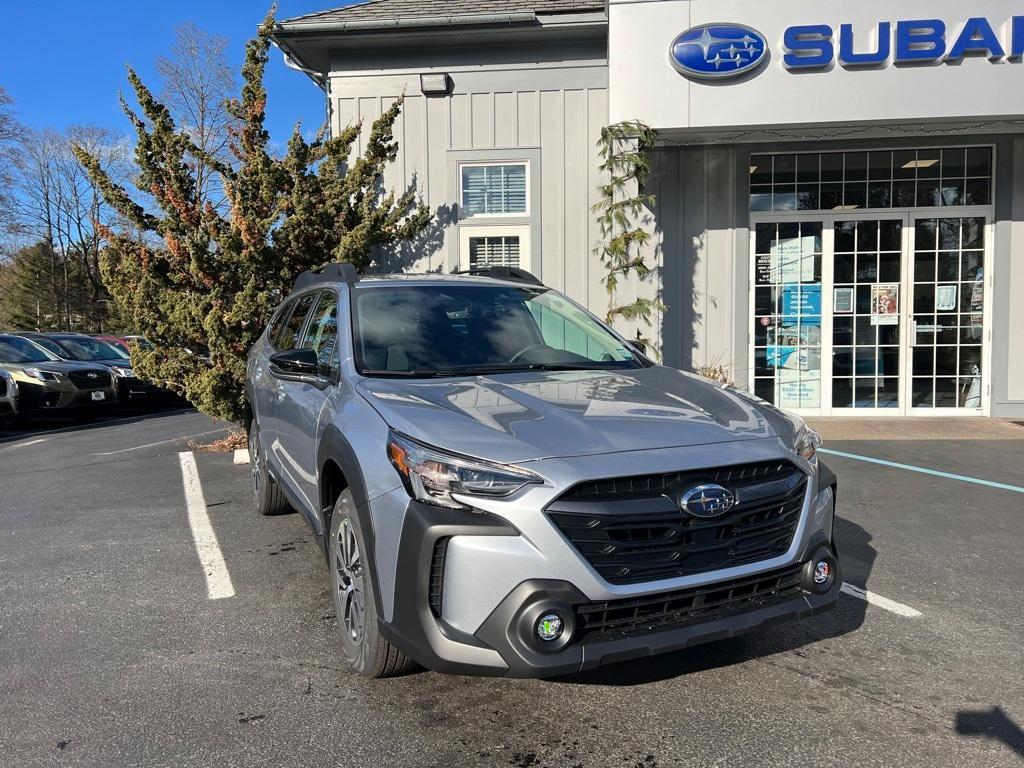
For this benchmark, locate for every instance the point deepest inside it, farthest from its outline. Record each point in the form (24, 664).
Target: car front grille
(3, 386)
(631, 529)
(90, 379)
(598, 622)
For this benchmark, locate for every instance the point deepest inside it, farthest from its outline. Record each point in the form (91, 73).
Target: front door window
(948, 308)
(787, 322)
(866, 278)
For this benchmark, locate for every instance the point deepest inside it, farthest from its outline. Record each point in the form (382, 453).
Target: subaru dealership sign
(917, 41)
(720, 51)
(717, 51)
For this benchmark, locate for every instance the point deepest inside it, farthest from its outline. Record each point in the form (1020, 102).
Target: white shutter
(489, 190)
(494, 251)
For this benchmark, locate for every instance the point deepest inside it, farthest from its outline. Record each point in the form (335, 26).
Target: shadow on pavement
(857, 556)
(77, 422)
(993, 724)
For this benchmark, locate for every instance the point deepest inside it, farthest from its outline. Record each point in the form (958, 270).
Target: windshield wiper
(471, 370)
(414, 374)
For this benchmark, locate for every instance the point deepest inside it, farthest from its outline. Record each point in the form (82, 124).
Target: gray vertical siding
(700, 242)
(553, 115)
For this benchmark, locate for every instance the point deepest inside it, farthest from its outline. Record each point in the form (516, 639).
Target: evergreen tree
(205, 293)
(40, 291)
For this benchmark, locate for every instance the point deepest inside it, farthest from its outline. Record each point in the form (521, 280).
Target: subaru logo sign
(707, 501)
(715, 51)
(91, 375)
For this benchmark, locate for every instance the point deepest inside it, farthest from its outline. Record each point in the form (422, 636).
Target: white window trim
(522, 232)
(494, 164)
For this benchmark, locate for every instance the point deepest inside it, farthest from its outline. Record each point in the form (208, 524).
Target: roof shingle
(384, 10)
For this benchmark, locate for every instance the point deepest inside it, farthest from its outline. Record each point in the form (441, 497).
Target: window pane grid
(866, 354)
(787, 323)
(955, 176)
(948, 310)
(494, 189)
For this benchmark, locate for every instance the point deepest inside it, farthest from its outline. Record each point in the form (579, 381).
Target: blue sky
(64, 61)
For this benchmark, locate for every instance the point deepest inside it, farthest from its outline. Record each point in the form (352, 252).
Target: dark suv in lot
(503, 485)
(88, 349)
(48, 383)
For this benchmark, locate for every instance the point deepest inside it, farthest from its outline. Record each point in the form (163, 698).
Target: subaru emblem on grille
(91, 375)
(707, 501)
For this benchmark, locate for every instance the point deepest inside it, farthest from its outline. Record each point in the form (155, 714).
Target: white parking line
(162, 442)
(32, 442)
(218, 580)
(882, 602)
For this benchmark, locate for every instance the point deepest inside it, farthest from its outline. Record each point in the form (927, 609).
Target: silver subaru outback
(502, 485)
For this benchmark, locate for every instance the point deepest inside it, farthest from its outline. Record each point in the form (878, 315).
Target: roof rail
(512, 274)
(329, 273)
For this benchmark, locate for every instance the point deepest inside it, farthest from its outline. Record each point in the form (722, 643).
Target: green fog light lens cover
(549, 627)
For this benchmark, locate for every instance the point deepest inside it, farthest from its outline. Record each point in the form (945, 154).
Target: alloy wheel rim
(349, 569)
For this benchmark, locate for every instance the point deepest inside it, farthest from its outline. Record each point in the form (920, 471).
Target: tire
(267, 495)
(355, 605)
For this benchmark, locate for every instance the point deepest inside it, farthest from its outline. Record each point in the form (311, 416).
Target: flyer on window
(885, 304)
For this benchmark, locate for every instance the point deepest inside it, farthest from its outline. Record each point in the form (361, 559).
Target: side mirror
(296, 365)
(638, 346)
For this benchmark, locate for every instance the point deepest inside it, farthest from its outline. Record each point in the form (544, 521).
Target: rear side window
(322, 333)
(278, 323)
(289, 336)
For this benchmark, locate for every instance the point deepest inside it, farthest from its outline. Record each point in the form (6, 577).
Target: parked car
(48, 383)
(123, 342)
(503, 485)
(84, 348)
(8, 398)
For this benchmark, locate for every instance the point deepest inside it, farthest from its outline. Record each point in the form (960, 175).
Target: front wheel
(365, 650)
(267, 496)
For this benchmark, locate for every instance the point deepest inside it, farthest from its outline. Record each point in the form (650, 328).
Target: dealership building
(838, 188)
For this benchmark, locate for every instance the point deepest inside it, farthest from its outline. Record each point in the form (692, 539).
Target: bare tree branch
(197, 83)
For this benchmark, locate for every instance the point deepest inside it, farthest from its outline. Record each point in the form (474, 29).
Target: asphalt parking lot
(114, 655)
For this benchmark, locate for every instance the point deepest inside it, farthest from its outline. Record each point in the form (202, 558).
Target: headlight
(807, 443)
(432, 476)
(36, 373)
(122, 373)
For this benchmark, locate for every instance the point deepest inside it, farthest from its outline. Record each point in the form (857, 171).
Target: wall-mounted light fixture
(435, 83)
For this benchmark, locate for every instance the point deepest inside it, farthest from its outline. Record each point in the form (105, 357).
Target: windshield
(15, 350)
(467, 329)
(85, 348)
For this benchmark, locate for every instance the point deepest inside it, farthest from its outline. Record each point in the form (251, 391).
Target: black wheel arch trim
(335, 447)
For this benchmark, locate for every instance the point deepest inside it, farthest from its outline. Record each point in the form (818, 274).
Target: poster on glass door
(790, 261)
(885, 304)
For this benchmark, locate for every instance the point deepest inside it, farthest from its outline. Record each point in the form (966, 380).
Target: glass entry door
(880, 314)
(946, 329)
(867, 313)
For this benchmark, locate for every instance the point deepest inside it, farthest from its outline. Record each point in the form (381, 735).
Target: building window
(494, 189)
(482, 247)
(848, 181)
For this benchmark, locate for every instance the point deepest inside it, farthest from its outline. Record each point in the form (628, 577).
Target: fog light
(549, 627)
(822, 572)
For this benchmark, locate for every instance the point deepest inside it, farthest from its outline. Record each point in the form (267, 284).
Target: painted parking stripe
(162, 442)
(218, 580)
(882, 602)
(924, 470)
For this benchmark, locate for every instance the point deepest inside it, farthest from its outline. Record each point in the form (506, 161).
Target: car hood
(58, 366)
(516, 417)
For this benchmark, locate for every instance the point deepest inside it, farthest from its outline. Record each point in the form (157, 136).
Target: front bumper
(504, 643)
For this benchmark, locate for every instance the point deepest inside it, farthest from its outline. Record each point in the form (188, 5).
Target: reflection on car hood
(60, 366)
(515, 417)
